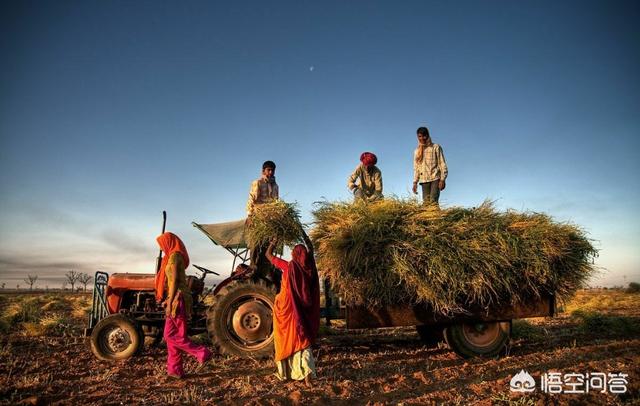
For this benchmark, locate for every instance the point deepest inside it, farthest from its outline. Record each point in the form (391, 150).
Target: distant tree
(30, 280)
(84, 279)
(72, 278)
(64, 285)
(3, 285)
(634, 287)
(17, 286)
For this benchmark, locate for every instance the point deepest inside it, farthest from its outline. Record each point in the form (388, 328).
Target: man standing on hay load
(263, 190)
(366, 180)
(429, 168)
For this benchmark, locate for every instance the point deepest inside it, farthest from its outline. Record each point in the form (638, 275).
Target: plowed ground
(386, 366)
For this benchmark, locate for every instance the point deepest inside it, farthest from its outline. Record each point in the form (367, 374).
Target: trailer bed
(404, 315)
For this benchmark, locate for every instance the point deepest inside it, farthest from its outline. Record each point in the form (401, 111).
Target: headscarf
(421, 148)
(305, 290)
(368, 158)
(169, 243)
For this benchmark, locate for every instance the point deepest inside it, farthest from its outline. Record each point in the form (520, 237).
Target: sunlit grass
(609, 300)
(56, 304)
(43, 315)
(594, 322)
(23, 309)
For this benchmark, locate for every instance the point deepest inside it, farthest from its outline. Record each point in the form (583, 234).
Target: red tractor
(238, 317)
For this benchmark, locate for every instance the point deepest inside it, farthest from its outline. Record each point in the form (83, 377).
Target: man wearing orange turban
(366, 180)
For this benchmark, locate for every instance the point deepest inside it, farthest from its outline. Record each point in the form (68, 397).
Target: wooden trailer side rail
(399, 315)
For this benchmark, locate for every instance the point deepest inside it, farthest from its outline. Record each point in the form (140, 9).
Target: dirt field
(44, 360)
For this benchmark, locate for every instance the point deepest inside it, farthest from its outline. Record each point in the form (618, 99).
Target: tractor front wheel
(116, 337)
(240, 321)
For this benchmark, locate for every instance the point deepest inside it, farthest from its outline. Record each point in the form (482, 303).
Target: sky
(111, 112)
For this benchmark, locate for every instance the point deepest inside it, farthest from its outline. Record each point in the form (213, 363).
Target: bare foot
(308, 381)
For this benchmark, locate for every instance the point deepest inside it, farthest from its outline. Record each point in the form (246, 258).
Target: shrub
(56, 304)
(33, 329)
(526, 330)
(28, 310)
(634, 287)
(5, 326)
(595, 322)
(54, 324)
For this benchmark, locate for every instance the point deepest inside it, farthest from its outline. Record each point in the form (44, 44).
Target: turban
(368, 159)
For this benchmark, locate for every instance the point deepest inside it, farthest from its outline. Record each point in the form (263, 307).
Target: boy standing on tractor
(263, 190)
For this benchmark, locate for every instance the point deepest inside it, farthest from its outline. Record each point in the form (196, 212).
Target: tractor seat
(132, 281)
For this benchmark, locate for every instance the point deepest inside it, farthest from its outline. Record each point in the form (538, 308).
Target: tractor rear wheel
(240, 320)
(116, 337)
(472, 339)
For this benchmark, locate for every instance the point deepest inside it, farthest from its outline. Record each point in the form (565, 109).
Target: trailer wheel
(430, 335)
(116, 337)
(240, 320)
(472, 339)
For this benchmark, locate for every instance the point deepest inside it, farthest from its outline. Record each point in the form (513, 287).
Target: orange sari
(296, 310)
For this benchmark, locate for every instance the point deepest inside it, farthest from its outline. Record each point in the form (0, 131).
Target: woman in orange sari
(172, 280)
(296, 313)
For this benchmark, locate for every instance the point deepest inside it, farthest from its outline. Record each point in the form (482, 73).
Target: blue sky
(111, 112)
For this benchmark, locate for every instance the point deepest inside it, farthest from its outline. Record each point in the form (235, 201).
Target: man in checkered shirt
(429, 168)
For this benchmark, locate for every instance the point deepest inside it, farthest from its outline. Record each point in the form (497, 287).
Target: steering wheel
(205, 270)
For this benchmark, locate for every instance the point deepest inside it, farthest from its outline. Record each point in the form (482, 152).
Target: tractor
(236, 313)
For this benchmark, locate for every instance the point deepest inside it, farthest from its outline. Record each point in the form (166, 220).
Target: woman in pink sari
(296, 313)
(177, 304)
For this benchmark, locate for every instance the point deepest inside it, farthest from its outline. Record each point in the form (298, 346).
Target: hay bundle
(276, 220)
(400, 251)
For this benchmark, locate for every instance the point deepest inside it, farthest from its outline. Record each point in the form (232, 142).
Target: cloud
(51, 217)
(16, 267)
(20, 263)
(51, 266)
(56, 225)
(123, 242)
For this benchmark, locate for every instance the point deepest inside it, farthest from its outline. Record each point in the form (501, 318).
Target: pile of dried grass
(400, 251)
(276, 220)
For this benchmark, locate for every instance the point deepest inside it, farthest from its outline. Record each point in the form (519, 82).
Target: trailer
(478, 332)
